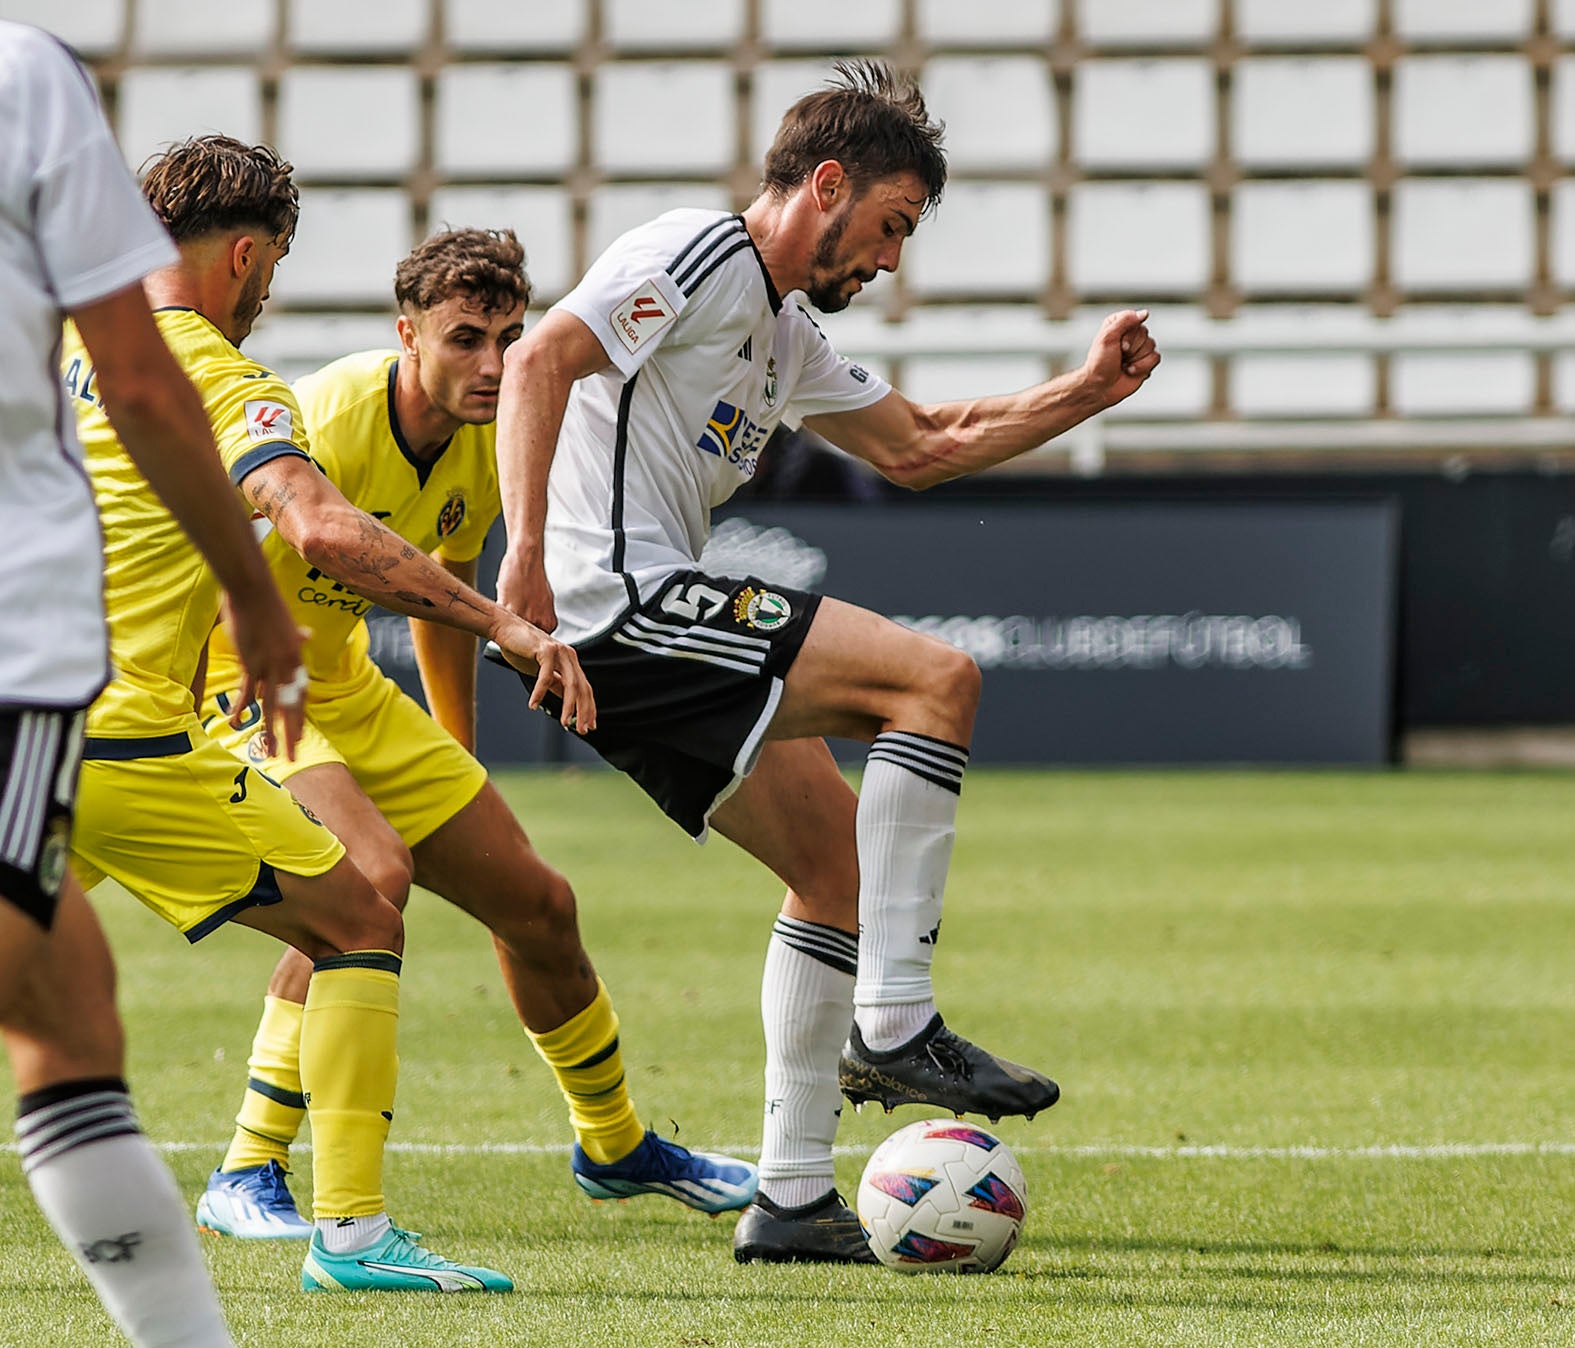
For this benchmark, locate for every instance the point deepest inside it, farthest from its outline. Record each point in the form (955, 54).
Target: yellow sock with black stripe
(583, 1054)
(349, 1066)
(273, 1108)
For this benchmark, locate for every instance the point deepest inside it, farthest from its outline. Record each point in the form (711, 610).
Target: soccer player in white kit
(76, 239)
(641, 401)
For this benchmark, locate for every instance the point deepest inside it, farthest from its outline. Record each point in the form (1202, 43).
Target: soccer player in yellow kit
(166, 811)
(407, 435)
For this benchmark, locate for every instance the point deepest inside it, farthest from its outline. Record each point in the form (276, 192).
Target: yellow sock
(583, 1054)
(349, 1064)
(273, 1108)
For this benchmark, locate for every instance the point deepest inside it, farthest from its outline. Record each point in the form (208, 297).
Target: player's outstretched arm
(917, 446)
(162, 424)
(538, 372)
(343, 541)
(446, 661)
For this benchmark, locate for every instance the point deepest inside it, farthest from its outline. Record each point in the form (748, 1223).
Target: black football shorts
(40, 755)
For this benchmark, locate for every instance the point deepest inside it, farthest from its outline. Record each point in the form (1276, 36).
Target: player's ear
(828, 183)
(243, 254)
(406, 328)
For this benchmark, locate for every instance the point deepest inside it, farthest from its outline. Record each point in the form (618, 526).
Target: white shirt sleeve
(95, 233)
(827, 382)
(628, 300)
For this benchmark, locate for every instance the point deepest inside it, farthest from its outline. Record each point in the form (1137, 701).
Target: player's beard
(247, 307)
(828, 274)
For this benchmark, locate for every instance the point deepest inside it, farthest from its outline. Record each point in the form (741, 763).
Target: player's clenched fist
(1122, 356)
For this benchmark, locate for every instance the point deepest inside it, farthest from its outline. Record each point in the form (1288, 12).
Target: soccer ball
(942, 1196)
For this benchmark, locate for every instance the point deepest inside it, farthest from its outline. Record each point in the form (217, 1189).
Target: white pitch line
(1396, 1151)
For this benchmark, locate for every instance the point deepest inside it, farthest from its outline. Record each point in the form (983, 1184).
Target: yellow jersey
(443, 505)
(161, 598)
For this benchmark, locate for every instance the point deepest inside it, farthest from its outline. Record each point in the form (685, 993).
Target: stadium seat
(354, 27)
(672, 25)
(350, 122)
(1303, 386)
(162, 104)
(506, 121)
(1421, 22)
(93, 27)
(1130, 240)
(1561, 235)
(664, 117)
(1148, 23)
(543, 217)
(970, 93)
(939, 379)
(1329, 23)
(829, 25)
(297, 344)
(618, 207)
(1564, 381)
(775, 87)
(1463, 234)
(346, 247)
(1562, 18)
(1142, 114)
(986, 239)
(514, 25)
(187, 28)
(1561, 110)
(1029, 24)
(1491, 383)
(1463, 111)
(1302, 112)
(1303, 237)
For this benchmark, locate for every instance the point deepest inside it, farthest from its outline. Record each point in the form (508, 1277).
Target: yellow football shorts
(192, 833)
(416, 773)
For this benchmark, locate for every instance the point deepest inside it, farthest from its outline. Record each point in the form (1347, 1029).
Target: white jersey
(706, 361)
(73, 229)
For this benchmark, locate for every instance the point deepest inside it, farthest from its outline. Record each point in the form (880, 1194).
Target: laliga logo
(645, 307)
(641, 316)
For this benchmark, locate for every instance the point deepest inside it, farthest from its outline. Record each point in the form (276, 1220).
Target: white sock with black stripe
(907, 820)
(114, 1205)
(806, 1002)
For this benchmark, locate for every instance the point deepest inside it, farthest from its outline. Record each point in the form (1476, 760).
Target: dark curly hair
(485, 265)
(871, 120)
(212, 183)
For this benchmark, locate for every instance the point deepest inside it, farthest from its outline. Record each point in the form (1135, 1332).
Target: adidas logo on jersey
(747, 351)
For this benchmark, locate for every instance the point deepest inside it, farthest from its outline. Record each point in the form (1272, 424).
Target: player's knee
(544, 913)
(958, 681)
(391, 874)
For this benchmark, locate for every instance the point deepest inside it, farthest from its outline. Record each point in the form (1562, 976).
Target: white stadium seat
(1148, 23)
(1130, 240)
(776, 86)
(940, 379)
(1303, 386)
(1493, 383)
(999, 110)
(1420, 22)
(829, 25)
(346, 247)
(1562, 110)
(353, 27)
(1463, 111)
(543, 217)
(295, 344)
(194, 28)
(1302, 112)
(161, 104)
(1328, 23)
(1461, 234)
(985, 239)
(1562, 19)
(1562, 233)
(515, 25)
(663, 117)
(1142, 114)
(618, 207)
(672, 25)
(350, 122)
(1029, 24)
(93, 27)
(501, 121)
(1302, 237)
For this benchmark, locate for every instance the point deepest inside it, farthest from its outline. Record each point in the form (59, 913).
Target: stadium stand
(1377, 184)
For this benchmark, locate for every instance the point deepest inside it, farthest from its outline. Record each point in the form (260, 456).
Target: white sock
(906, 823)
(114, 1205)
(343, 1235)
(806, 1002)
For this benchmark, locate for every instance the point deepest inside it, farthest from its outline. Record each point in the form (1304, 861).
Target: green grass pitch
(1315, 1034)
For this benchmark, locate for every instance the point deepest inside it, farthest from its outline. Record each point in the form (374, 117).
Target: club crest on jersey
(771, 381)
(640, 317)
(452, 515)
(266, 420)
(764, 610)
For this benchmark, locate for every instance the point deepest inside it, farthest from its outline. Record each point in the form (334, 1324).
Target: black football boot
(822, 1232)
